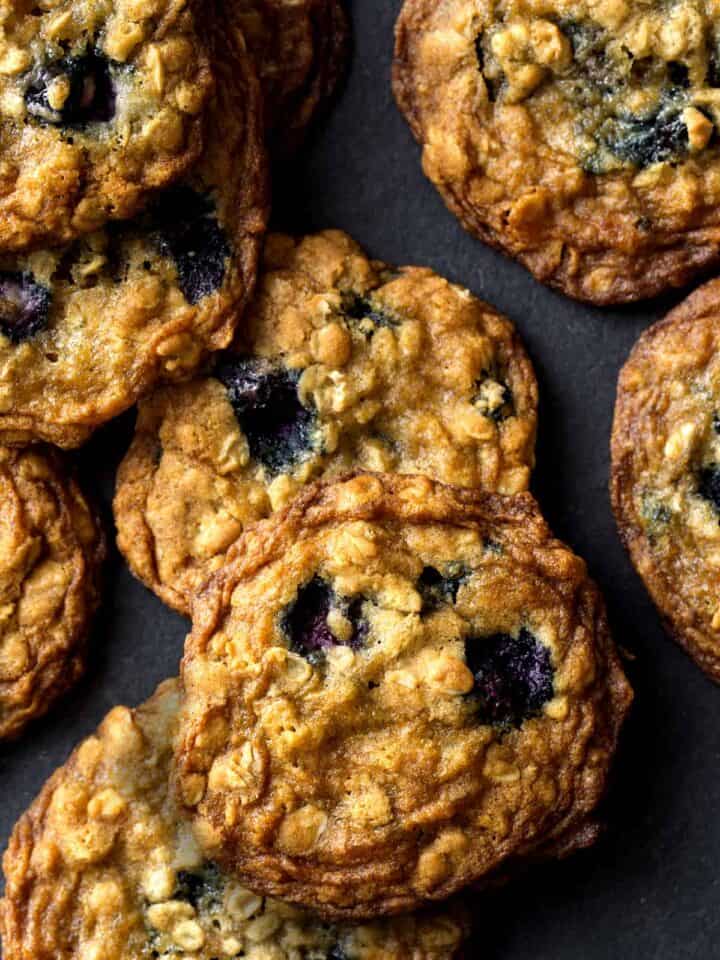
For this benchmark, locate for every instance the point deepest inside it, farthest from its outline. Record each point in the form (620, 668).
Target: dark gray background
(649, 889)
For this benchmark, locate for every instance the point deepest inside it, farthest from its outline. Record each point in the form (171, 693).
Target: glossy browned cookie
(579, 137)
(395, 688)
(301, 48)
(51, 551)
(86, 330)
(100, 104)
(666, 470)
(342, 363)
(102, 867)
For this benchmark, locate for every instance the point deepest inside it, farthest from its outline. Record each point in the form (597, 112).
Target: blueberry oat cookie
(666, 470)
(301, 50)
(343, 364)
(579, 137)
(51, 550)
(88, 328)
(395, 688)
(100, 103)
(102, 868)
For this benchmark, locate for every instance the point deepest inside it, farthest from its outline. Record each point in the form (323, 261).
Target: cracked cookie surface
(51, 551)
(301, 50)
(87, 329)
(100, 103)
(395, 688)
(666, 470)
(341, 364)
(101, 867)
(581, 138)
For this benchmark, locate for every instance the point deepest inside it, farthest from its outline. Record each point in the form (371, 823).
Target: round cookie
(301, 50)
(394, 689)
(579, 137)
(102, 868)
(100, 103)
(666, 470)
(343, 364)
(51, 551)
(87, 329)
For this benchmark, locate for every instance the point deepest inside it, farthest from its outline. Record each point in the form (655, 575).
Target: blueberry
(588, 42)
(305, 624)
(678, 74)
(186, 230)
(336, 953)
(91, 91)
(24, 306)
(709, 484)
(658, 136)
(265, 399)
(362, 309)
(513, 677)
(494, 398)
(203, 887)
(436, 589)
(716, 422)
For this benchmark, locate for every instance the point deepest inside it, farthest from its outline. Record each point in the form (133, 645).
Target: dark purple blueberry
(358, 308)
(513, 677)
(91, 97)
(436, 589)
(709, 484)
(186, 230)
(24, 306)
(265, 399)
(655, 137)
(305, 621)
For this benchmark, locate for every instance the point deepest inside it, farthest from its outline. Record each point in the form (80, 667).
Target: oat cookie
(51, 551)
(580, 137)
(100, 103)
(393, 689)
(301, 49)
(666, 470)
(87, 329)
(343, 364)
(102, 868)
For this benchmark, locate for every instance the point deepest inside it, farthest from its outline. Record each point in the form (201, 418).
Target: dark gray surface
(649, 889)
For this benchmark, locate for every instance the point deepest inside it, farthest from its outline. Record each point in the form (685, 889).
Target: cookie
(100, 104)
(393, 689)
(580, 138)
(87, 329)
(51, 551)
(342, 364)
(666, 470)
(102, 868)
(301, 51)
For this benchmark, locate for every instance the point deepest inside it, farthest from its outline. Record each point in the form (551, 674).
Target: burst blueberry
(658, 136)
(24, 306)
(91, 96)
(359, 308)
(277, 425)
(709, 484)
(436, 589)
(513, 677)
(186, 229)
(305, 622)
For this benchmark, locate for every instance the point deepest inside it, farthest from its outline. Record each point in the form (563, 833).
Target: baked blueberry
(709, 484)
(437, 589)
(306, 621)
(513, 677)
(658, 136)
(24, 305)
(265, 398)
(365, 312)
(202, 887)
(72, 92)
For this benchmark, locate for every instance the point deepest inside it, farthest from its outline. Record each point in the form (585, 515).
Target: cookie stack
(398, 684)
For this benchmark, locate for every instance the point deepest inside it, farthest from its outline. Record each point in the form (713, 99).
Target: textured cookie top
(666, 469)
(580, 137)
(86, 329)
(343, 364)
(101, 868)
(301, 49)
(393, 689)
(100, 102)
(51, 549)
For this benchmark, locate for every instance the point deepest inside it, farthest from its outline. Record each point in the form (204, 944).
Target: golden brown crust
(102, 868)
(664, 451)
(187, 488)
(358, 779)
(511, 164)
(51, 552)
(125, 309)
(65, 173)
